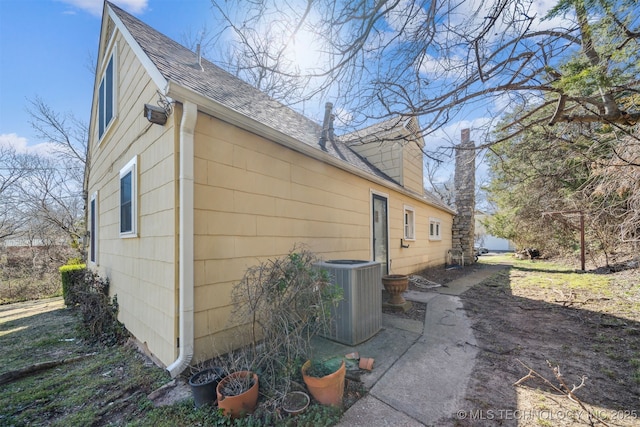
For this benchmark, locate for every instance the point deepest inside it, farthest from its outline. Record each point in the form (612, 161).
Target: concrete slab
(370, 411)
(429, 381)
(386, 347)
(392, 321)
(421, 381)
(419, 296)
(446, 319)
(461, 285)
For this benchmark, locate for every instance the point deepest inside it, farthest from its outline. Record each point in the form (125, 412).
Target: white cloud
(472, 14)
(445, 67)
(343, 116)
(94, 7)
(460, 21)
(541, 7)
(407, 16)
(21, 145)
(12, 140)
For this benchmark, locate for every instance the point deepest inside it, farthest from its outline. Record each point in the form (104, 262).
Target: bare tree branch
(432, 59)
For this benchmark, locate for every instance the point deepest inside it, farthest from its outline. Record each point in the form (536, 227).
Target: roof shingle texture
(180, 65)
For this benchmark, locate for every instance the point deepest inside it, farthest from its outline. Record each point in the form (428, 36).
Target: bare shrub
(99, 315)
(31, 272)
(285, 302)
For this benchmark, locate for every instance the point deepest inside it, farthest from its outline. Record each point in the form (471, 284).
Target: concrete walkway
(422, 370)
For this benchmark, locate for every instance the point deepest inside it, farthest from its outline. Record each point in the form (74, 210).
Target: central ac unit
(358, 316)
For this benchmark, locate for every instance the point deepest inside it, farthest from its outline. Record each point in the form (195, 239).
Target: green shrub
(72, 276)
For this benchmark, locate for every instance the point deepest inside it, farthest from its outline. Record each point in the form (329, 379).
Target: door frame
(379, 195)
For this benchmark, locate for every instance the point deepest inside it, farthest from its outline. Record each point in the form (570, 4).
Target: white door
(380, 232)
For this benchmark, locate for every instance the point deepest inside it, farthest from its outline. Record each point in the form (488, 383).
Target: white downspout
(187, 131)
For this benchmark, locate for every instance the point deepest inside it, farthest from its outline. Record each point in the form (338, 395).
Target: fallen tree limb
(10, 376)
(563, 389)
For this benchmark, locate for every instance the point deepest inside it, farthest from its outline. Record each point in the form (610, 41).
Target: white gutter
(187, 130)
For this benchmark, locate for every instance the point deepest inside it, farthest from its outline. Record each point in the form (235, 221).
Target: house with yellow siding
(196, 176)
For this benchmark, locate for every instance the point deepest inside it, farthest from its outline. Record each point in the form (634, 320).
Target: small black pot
(204, 393)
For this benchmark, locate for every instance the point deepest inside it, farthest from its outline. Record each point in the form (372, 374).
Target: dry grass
(544, 315)
(110, 385)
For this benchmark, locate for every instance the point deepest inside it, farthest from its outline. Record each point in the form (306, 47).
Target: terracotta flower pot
(327, 390)
(243, 403)
(366, 363)
(395, 285)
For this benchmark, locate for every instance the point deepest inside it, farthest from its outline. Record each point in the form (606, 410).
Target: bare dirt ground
(539, 318)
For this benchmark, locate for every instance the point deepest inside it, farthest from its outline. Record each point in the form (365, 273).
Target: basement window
(409, 223)
(129, 199)
(435, 229)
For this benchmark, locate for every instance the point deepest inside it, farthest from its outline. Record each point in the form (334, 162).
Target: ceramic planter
(395, 285)
(327, 390)
(243, 403)
(203, 385)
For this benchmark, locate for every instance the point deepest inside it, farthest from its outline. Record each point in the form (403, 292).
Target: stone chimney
(465, 200)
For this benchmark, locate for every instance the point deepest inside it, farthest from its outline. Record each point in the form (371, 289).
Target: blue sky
(47, 48)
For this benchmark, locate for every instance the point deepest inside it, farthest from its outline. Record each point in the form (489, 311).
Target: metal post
(582, 240)
(581, 227)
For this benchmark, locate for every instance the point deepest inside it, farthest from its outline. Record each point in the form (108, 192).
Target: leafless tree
(51, 194)
(41, 213)
(54, 190)
(12, 170)
(443, 188)
(69, 134)
(250, 55)
(435, 58)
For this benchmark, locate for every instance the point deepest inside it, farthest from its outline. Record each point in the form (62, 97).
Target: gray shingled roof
(377, 132)
(180, 65)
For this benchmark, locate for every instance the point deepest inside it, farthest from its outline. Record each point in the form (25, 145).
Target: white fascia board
(222, 112)
(146, 62)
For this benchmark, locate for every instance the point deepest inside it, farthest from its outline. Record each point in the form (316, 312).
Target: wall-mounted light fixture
(157, 115)
(403, 245)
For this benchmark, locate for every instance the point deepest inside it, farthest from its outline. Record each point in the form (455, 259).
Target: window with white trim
(129, 199)
(435, 228)
(409, 223)
(106, 97)
(93, 228)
